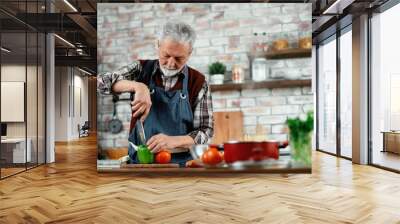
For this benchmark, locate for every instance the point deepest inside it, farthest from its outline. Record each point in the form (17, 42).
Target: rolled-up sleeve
(203, 120)
(106, 80)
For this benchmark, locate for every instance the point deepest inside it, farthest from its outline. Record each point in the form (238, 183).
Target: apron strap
(185, 71)
(149, 69)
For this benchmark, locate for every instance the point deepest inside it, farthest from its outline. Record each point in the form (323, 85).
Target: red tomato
(213, 148)
(163, 157)
(211, 157)
(204, 157)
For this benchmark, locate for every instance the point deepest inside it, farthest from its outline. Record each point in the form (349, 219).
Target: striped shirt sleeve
(203, 122)
(106, 80)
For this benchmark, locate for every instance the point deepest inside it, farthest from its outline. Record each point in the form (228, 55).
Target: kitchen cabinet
(391, 142)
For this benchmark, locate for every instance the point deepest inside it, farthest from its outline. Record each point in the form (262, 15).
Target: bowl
(197, 151)
(116, 153)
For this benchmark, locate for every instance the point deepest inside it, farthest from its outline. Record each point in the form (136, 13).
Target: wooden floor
(10, 171)
(71, 191)
(386, 159)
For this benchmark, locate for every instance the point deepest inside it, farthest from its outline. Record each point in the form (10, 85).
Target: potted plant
(217, 72)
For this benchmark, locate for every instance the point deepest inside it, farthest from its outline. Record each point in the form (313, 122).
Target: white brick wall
(286, 109)
(222, 29)
(267, 108)
(286, 91)
(272, 119)
(271, 100)
(256, 92)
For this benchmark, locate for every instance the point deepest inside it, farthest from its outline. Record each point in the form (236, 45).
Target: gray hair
(178, 31)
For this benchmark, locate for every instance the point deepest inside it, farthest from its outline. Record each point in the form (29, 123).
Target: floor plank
(71, 191)
(386, 159)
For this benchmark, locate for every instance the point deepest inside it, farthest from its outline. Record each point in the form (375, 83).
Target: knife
(139, 125)
(140, 130)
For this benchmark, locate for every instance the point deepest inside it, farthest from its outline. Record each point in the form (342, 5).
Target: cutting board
(227, 126)
(153, 165)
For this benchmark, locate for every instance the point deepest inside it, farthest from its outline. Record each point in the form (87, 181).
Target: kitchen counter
(281, 166)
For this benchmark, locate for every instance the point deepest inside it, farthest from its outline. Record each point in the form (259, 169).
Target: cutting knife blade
(140, 130)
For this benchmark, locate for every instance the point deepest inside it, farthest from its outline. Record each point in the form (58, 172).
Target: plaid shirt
(203, 121)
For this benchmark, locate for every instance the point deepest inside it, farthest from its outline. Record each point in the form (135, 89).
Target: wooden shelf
(289, 53)
(259, 85)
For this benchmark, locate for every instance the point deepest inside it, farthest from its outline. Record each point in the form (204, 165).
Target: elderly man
(171, 98)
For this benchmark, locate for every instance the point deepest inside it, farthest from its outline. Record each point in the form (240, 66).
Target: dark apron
(170, 114)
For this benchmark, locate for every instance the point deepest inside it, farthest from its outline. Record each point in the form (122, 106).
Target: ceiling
(72, 20)
(76, 22)
(330, 15)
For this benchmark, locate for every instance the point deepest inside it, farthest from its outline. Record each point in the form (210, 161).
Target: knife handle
(132, 97)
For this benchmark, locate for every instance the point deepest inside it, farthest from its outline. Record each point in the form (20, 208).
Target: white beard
(169, 72)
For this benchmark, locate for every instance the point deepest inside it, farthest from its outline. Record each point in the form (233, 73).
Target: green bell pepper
(144, 155)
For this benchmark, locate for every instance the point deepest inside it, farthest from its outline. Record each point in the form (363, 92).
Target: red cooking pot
(242, 151)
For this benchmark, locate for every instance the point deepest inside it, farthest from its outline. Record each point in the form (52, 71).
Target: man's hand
(161, 141)
(142, 103)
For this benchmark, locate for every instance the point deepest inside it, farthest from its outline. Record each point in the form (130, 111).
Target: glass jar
(257, 48)
(259, 69)
(300, 148)
(305, 40)
(281, 42)
(237, 74)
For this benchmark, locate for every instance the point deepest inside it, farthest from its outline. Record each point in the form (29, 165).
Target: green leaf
(299, 127)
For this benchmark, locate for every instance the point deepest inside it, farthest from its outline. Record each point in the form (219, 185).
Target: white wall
(68, 81)
(33, 126)
(12, 73)
(80, 82)
(61, 103)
